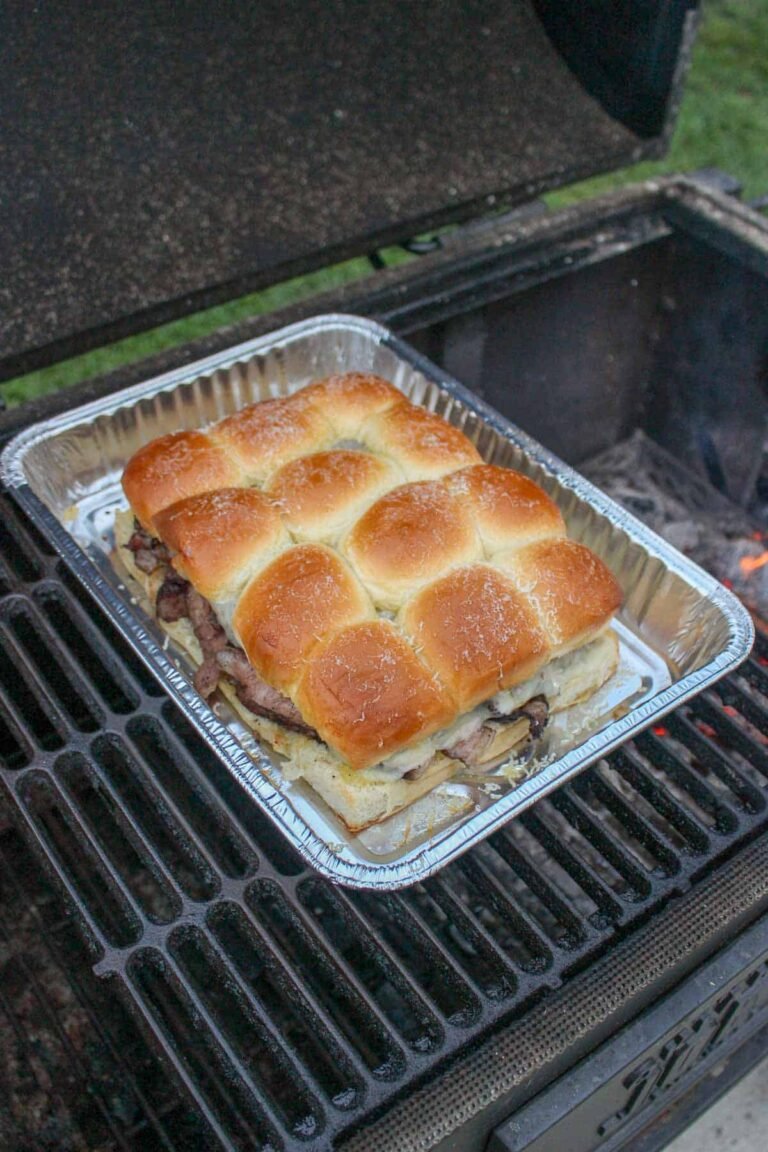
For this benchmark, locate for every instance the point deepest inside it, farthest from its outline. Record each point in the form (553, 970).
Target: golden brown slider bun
(409, 537)
(368, 694)
(264, 436)
(305, 593)
(573, 592)
(477, 631)
(508, 509)
(423, 445)
(172, 467)
(322, 494)
(346, 401)
(220, 539)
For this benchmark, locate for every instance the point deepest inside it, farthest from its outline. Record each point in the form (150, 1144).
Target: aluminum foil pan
(679, 629)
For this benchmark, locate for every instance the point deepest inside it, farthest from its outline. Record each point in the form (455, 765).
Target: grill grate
(172, 977)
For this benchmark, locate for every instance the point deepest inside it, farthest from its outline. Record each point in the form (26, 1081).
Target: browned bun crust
(220, 539)
(175, 466)
(423, 445)
(572, 590)
(322, 494)
(264, 436)
(347, 400)
(408, 537)
(478, 633)
(306, 593)
(367, 694)
(508, 509)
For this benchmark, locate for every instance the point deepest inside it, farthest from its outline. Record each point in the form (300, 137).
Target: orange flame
(752, 563)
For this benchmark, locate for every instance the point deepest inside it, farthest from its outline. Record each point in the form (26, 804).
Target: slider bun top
(572, 590)
(508, 509)
(221, 539)
(305, 594)
(263, 437)
(423, 445)
(346, 401)
(409, 537)
(477, 632)
(323, 494)
(172, 467)
(367, 694)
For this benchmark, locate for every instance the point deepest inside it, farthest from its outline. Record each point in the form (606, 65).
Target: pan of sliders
(395, 618)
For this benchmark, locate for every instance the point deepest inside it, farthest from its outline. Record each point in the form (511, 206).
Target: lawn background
(723, 123)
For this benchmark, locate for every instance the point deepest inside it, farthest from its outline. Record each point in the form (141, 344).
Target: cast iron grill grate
(173, 977)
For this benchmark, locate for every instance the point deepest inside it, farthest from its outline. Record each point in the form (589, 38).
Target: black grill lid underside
(157, 158)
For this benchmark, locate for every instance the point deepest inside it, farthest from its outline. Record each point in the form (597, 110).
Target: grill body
(174, 978)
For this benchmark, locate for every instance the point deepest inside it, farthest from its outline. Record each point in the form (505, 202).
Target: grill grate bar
(177, 861)
(538, 822)
(81, 862)
(24, 696)
(480, 940)
(423, 954)
(666, 763)
(339, 978)
(522, 924)
(300, 1071)
(708, 753)
(733, 696)
(244, 948)
(613, 785)
(708, 708)
(189, 799)
(260, 1104)
(686, 804)
(568, 802)
(400, 992)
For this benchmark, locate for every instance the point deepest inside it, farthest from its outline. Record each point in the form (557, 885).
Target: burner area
(687, 511)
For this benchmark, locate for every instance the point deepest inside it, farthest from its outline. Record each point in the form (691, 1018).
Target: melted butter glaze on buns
(263, 437)
(409, 537)
(508, 509)
(304, 595)
(423, 445)
(367, 693)
(220, 539)
(349, 400)
(573, 592)
(323, 494)
(478, 633)
(172, 467)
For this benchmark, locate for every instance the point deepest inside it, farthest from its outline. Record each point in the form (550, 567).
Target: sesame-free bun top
(264, 436)
(175, 466)
(572, 590)
(477, 631)
(321, 495)
(305, 594)
(367, 694)
(347, 400)
(509, 510)
(220, 539)
(408, 537)
(424, 446)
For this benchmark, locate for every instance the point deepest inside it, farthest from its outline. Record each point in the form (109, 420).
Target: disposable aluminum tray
(679, 629)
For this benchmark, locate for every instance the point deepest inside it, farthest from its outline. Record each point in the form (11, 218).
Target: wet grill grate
(172, 977)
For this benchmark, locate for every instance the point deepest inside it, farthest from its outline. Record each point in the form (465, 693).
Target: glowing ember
(660, 730)
(752, 563)
(730, 710)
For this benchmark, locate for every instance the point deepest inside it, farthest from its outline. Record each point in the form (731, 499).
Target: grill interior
(172, 977)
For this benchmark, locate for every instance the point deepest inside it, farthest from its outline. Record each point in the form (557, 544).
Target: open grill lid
(160, 158)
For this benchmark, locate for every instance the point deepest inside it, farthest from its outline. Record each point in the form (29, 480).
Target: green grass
(723, 123)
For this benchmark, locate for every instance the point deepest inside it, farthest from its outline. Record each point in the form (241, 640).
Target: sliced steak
(148, 552)
(172, 597)
(257, 696)
(210, 634)
(470, 749)
(537, 710)
(207, 676)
